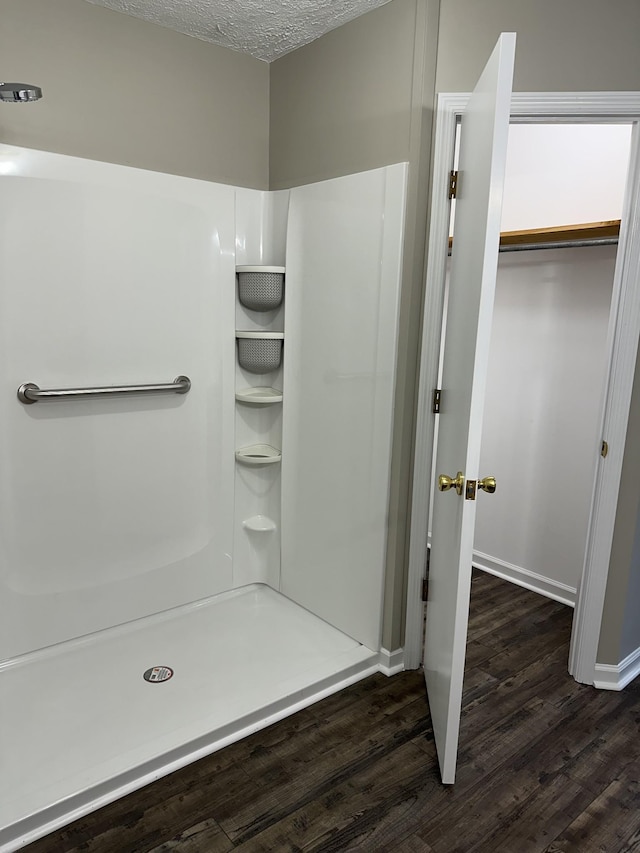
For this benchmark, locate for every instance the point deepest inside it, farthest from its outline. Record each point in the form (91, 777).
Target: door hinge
(425, 580)
(453, 184)
(437, 399)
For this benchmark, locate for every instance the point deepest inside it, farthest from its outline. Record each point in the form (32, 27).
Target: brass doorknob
(487, 484)
(445, 483)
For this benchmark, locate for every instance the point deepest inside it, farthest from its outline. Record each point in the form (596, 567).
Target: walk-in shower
(19, 93)
(167, 585)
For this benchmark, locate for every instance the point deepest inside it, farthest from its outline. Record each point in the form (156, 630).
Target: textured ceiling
(265, 29)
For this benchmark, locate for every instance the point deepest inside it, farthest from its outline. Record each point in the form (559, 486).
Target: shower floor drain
(158, 674)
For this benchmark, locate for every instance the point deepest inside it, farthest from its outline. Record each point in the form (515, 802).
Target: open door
(483, 151)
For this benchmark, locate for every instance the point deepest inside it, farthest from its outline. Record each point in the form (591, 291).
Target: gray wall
(562, 45)
(620, 632)
(630, 640)
(359, 98)
(125, 91)
(342, 104)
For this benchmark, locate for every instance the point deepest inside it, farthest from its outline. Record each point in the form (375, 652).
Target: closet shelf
(562, 233)
(258, 454)
(585, 233)
(259, 395)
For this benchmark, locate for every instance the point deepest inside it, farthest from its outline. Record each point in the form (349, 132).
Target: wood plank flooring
(545, 764)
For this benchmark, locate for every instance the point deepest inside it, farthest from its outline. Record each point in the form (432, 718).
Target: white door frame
(624, 331)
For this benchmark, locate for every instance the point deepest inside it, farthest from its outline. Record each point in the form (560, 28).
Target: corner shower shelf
(259, 352)
(258, 454)
(259, 395)
(260, 288)
(259, 524)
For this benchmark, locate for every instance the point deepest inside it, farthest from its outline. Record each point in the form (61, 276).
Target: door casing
(624, 332)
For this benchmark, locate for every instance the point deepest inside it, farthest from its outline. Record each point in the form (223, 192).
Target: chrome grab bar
(30, 393)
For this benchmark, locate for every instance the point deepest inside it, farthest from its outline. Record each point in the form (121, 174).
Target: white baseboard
(391, 663)
(616, 677)
(523, 577)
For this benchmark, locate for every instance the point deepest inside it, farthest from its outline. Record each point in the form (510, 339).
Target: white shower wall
(112, 509)
(343, 262)
(261, 227)
(116, 509)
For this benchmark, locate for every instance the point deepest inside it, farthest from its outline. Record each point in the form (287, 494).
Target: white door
(483, 150)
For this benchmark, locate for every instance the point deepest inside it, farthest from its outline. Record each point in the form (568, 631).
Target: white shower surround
(123, 545)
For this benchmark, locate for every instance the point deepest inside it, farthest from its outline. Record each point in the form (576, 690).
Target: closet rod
(561, 244)
(564, 244)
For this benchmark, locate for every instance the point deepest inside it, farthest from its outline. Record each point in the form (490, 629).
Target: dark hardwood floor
(545, 764)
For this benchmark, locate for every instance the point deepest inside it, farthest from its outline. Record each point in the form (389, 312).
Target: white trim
(623, 348)
(523, 577)
(611, 677)
(391, 663)
(535, 107)
(581, 107)
(448, 107)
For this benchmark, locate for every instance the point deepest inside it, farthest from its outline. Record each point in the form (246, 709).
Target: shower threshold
(81, 726)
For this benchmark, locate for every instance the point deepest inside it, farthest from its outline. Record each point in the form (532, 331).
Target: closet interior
(563, 201)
